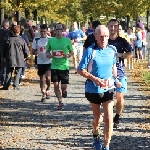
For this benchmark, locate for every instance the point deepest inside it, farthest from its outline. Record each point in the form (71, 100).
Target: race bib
(42, 48)
(58, 53)
(107, 83)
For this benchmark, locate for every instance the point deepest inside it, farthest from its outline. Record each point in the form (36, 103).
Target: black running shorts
(97, 99)
(43, 68)
(60, 75)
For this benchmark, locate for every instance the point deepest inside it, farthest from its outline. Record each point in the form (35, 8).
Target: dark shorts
(96, 99)
(139, 48)
(60, 75)
(43, 68)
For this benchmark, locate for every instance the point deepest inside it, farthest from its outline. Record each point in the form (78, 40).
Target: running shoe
(43, 99)
(60, 106)
(48, 94)
(22, 76)
(64, 93)
(116, 121)
(97, 143)
(116, 124)
(106, 148)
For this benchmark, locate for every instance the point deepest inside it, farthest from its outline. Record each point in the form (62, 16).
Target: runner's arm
(71, 53)
(84, 38)
(125, 55)
(128, 50)
(114, 69)
(70, 48)
(34, 47)
(119, 84)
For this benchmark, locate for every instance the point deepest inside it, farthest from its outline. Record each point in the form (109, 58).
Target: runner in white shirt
(43, 63)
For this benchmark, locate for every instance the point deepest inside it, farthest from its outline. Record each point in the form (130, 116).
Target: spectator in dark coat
(15, 54)
(4, 33)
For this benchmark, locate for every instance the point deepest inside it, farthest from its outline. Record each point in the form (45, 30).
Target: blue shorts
(123, 89)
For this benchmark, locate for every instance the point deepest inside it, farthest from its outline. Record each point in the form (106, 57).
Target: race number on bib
(58, 53)
(42, 48)
(107, 84)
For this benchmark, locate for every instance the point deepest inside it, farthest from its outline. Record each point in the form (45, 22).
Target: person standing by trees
(4, 34)
(16, 51)
(28, 30)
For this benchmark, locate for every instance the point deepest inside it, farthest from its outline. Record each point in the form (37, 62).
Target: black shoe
(116, 125)
(4, 88)
(64, 93)
(43, 99)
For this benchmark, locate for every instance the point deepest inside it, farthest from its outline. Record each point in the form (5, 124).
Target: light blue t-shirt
(103, 61)
(139, 40)
(76, 34)
(89, 32)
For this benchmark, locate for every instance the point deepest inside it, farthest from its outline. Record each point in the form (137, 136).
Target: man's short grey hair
(5, 22)
(101, 27)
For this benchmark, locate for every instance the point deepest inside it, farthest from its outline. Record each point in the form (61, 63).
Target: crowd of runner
(99, 54)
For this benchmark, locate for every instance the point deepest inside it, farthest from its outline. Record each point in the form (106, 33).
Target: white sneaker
(20, 84)
(22, 76)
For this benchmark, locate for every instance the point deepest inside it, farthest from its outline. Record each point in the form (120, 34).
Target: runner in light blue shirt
(100, 60)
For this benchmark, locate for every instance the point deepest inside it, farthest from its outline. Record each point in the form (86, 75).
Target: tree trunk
(1, 15)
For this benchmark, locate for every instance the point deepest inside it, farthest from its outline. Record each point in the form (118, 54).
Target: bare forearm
(71, 53)
(85, 74)
(115, 71)
(33, 51)
(128, 55)
(84, 38)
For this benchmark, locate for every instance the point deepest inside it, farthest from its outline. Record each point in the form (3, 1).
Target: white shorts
(78, 50)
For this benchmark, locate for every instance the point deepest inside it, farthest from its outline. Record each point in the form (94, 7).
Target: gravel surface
(28, 124)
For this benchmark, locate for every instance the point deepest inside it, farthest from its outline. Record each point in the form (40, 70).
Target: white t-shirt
(40, 46)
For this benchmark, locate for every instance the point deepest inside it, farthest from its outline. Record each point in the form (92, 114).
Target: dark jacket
(16, 51)
(4, 33)
(25, 38)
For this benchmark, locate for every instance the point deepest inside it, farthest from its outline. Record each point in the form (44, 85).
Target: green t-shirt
(58, 47)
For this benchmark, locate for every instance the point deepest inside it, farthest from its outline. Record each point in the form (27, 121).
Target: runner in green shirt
(59, 49)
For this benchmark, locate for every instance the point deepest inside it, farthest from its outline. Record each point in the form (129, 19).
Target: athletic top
(78, 34)
(139, 39)
(58, 47)
(39, 44)
(89, 41)
(89, 32)
(99, 63)
(122, 46)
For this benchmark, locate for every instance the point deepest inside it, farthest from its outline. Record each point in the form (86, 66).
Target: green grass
(146, 76)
